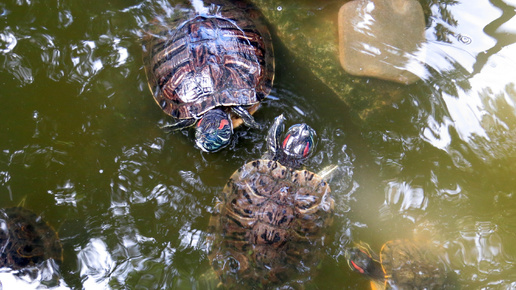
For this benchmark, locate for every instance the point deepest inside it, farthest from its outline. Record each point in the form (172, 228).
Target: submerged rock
(379, 38)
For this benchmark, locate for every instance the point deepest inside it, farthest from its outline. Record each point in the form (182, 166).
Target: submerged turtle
(26, 240)
(211, 66)
(403, 264)
(269, 225)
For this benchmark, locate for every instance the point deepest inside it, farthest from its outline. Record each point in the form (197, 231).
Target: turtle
(268, 225)
(210, 66)
(402, 264)
(26, 240)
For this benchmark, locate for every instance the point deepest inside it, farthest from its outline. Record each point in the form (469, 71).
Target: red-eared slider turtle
(403, 264)
(269, 226)
(210, 65)
(26, 240)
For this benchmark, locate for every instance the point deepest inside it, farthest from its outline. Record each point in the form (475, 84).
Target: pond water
(80, 144)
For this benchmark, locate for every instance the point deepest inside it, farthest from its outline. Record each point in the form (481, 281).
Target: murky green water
(80, 143)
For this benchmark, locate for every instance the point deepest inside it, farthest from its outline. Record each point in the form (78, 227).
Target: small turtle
(269, 225)
(26, 240)
(403, 264)
(212, 66)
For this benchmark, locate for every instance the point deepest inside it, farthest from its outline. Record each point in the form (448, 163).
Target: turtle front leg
(180, 125)
(273, 142)
(246, 117)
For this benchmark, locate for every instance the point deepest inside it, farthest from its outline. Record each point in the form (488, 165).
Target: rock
(309, 30)
(381, 38)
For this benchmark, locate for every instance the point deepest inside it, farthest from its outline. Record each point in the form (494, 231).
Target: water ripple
(8, 41)
(480, 246)
(95, 264)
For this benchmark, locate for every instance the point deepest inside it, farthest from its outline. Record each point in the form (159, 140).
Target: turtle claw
(246, 117)
(328, 172)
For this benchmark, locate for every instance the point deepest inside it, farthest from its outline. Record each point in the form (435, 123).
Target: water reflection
(42, 279)
(404, 198)
(9, 41)
(95, 264)
(446, 152)
(478, 251)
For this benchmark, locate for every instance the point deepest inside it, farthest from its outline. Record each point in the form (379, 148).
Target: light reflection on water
(473, 122)
(80, 143)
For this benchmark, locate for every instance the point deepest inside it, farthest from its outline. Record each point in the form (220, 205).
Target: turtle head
(299, 142)
(361, 259)
(213, 131)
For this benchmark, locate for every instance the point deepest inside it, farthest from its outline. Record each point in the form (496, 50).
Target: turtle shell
(408, 265)
(220, 58)
(26, 240)
(268, 227)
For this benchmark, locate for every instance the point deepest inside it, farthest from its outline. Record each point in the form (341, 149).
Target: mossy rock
(309, 30)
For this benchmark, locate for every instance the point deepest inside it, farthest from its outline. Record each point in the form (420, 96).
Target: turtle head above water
(299, 141)
(213, 131)
(298, 144)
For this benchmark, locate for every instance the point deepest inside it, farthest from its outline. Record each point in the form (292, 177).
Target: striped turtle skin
(219, 58)
(269, 225)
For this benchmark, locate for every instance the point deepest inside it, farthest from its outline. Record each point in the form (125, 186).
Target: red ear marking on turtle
(223, 123)
(199, 122)
(307, 148)
(357, 267)
(285, 141)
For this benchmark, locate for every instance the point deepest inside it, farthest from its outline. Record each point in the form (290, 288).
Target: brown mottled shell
(197, 62)
(269, 226)
(26, 240)
(408, 265)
